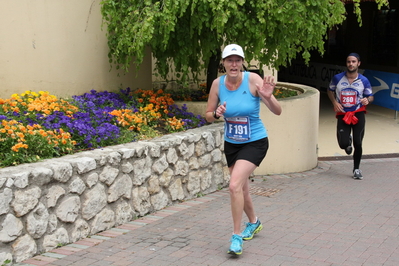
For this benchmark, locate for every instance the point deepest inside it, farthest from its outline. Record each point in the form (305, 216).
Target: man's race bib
(238, 128)
(348, 98)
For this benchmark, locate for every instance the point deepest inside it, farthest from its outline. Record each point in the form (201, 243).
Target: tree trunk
(213, 69)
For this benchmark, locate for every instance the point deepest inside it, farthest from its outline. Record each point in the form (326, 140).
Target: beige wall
(293, 135)
(58, 46)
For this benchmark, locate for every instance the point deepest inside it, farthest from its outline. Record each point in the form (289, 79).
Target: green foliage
(6, 262)
(187, 32)
(188, 94)
(282, 92)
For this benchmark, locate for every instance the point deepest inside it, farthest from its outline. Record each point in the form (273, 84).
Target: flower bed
(35, 126)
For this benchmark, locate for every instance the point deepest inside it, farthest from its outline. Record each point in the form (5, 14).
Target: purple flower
(189, 119)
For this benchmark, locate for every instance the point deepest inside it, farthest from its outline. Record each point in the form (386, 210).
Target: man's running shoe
(349, 149)
(357, 174)
(236, 245)
(251, 229)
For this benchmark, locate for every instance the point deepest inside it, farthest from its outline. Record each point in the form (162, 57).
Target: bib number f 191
(238, 128)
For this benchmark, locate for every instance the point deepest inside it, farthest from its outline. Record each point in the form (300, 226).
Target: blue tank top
(242, 120)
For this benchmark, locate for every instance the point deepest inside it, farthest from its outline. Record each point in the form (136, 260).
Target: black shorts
(252, 151)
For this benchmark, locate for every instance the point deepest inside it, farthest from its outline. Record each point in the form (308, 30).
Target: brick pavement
(319, 217)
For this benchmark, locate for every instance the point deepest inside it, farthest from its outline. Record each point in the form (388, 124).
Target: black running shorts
(252, 151)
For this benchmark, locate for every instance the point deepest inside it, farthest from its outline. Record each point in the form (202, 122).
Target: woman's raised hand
(267, 87)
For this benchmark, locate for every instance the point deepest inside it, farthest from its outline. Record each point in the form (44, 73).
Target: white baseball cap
(232, 49)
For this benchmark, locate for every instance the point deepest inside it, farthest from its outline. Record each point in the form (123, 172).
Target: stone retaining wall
(51, 203)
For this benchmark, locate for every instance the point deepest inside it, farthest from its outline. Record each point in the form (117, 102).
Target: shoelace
(249, 227)
(235, 240)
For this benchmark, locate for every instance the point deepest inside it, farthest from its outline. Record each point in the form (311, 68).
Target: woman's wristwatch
(215, 116)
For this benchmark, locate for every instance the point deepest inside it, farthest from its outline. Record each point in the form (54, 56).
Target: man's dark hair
(355, 55)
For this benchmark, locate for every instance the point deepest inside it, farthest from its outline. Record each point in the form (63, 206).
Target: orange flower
(18, 146)
(20, 135)
(22, 128)
(43, 133)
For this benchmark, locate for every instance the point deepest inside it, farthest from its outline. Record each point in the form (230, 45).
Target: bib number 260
(348, 98)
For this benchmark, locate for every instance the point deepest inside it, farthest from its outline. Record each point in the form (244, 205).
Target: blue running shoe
(251, 229)
(236, 245)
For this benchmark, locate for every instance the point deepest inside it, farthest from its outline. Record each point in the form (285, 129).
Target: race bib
(348, 98)
(238, 128)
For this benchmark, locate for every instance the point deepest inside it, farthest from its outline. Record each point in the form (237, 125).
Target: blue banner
(385, 88)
